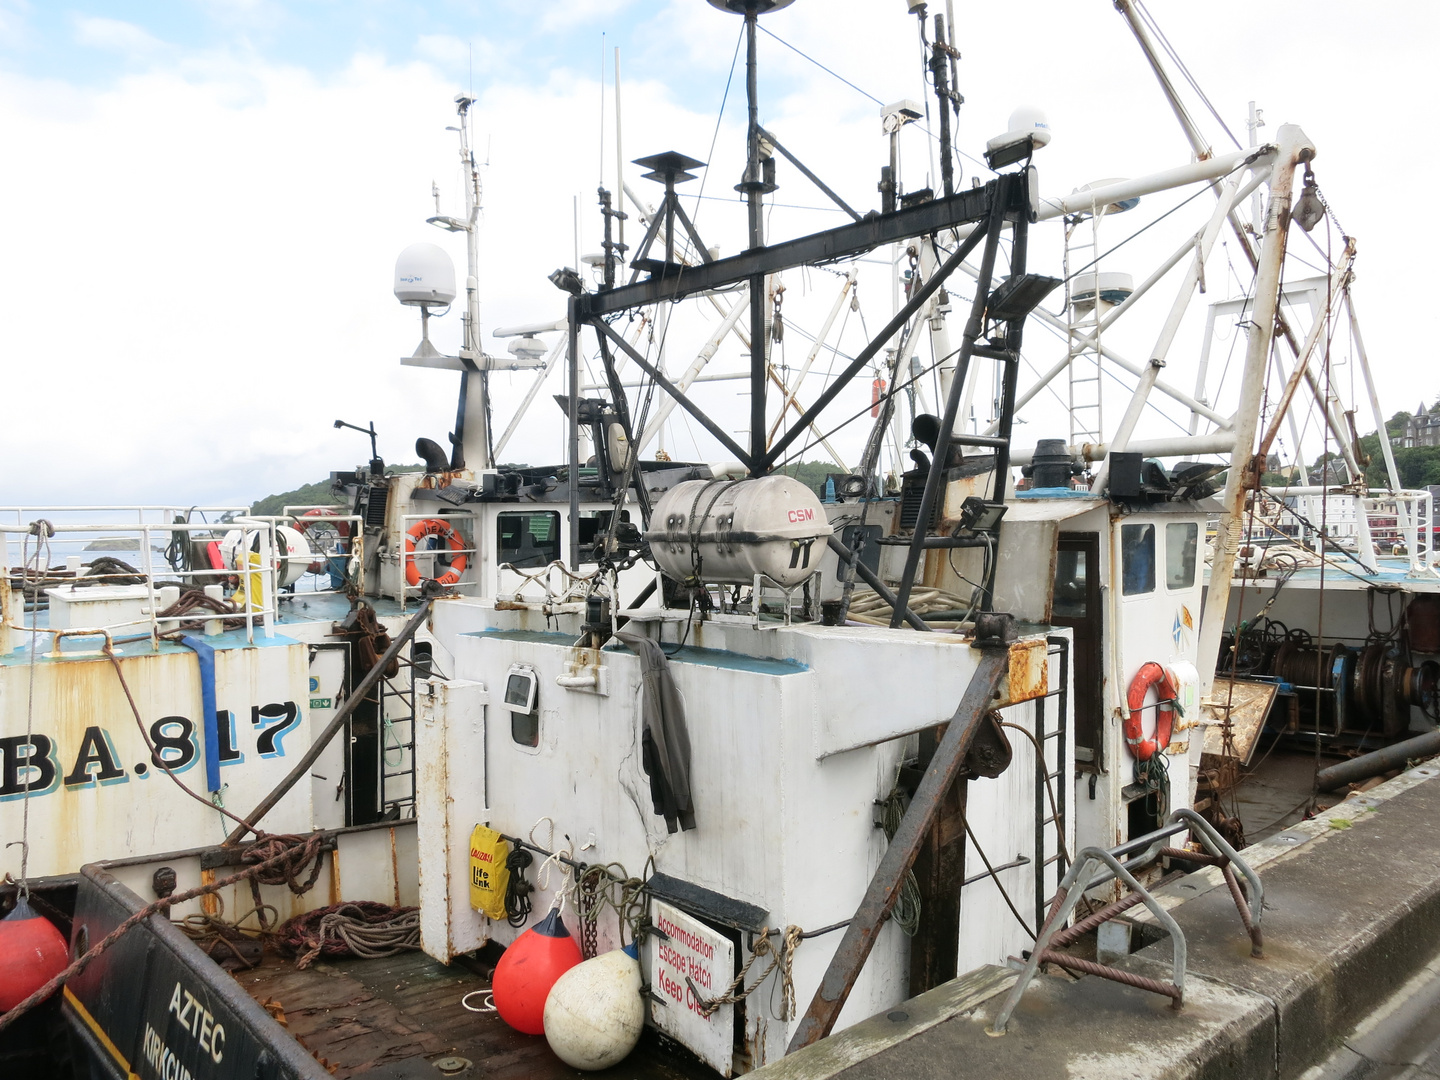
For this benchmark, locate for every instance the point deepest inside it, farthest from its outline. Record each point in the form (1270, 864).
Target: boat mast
(1295, 149)
(755, 187)
(473, 422)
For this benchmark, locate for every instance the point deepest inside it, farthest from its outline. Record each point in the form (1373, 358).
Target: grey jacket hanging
(664, 740)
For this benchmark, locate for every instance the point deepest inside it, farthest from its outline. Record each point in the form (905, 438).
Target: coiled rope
(362, 928)
(781, 956)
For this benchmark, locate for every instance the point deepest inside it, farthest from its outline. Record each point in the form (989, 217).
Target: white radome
(1028, 120)
(594, 1014)
(424, 276)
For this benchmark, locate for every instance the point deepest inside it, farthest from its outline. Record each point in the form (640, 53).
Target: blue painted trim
(206, 656)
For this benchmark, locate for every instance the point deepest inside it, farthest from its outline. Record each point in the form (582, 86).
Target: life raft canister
(434, 527)
(342, 528)
(1150, 674)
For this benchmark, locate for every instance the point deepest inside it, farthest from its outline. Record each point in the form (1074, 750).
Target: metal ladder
(397, 743)
(1047, 882)
(1150, 847)
(1087, 419)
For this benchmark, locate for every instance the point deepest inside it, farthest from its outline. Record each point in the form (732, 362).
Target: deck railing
(45, 548)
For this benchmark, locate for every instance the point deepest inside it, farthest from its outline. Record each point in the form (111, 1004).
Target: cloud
(115, 36)
(197, 280)
(560, 15)
(443, 49)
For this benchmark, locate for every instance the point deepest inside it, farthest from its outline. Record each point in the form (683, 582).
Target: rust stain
(335, 875)
(1029, 675)
(394, 868)
(209, 903)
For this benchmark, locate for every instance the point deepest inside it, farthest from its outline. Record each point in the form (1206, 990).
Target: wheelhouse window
(1137, 559)
(528, 539)
(1182, 545)
(1071, 583)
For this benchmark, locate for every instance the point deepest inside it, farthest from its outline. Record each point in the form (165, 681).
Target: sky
(203, 199)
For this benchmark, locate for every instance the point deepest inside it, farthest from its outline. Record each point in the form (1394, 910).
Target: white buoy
(594, 1014)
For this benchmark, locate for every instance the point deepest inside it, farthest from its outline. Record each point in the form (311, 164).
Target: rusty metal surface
(990, 754)
(1248, 704)
(1129, 978)
(357, 1014)
(860, 935)
(1029, 670)
(1257, 940)
(1074, 933)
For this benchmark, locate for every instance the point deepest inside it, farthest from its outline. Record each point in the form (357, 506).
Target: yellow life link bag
(489, 874)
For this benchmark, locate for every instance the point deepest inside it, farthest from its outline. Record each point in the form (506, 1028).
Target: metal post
(938, 66)
(1295, 148)
(619, 164)
(1380, 428)
(574, 373)
(1302, 370)
(754, 191)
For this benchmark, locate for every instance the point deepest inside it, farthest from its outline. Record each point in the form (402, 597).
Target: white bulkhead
(796, 733)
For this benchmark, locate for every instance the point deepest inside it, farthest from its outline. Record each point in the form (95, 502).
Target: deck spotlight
(1019, 295)
(567, 280)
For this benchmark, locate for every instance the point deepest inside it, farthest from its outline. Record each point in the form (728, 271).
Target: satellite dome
(424, 276)
(1031, 121)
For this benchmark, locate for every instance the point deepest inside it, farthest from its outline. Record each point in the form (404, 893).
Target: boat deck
(402, 1015)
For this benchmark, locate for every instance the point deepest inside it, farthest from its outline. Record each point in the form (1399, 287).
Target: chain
(588, 905)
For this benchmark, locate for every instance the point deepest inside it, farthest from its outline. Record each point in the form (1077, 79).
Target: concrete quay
(1352, 932)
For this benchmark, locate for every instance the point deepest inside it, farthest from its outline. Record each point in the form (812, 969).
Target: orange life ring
(341, 527)
(1150, 674)
(434, 527)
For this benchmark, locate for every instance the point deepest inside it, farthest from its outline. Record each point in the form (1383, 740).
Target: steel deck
(359, 1015)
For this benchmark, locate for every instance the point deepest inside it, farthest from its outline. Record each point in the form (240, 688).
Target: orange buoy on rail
(32, 952)
(528, 970)
(443, 529)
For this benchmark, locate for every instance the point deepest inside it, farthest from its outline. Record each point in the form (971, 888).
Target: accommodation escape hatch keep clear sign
(692, 950)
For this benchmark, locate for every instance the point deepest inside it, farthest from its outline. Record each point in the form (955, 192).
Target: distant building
(1332, 472)
(1422, 429)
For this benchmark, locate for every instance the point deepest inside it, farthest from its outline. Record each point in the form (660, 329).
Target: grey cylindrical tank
(727, 531)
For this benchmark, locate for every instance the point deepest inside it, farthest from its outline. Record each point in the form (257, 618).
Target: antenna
(602, 108)
(619, 157)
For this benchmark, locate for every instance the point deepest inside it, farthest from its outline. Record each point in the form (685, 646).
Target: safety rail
(468, 578)
(1377, 522)
(1144, 850)
(573, 585)
(29, 552)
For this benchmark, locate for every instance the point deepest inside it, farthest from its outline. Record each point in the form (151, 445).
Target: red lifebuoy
(341, 527)
(434, 527)
(1150, 674)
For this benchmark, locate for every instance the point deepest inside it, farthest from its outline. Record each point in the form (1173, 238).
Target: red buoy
(528, 970)
(32, 952)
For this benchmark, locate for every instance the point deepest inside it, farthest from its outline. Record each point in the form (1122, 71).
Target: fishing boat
(805, 753)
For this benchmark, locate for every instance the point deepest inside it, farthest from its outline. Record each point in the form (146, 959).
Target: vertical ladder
(1050, 861)
(397, 744)
(1087, 422)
